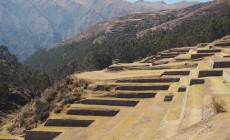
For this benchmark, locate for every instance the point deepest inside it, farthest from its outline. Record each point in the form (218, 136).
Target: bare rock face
(28, 25)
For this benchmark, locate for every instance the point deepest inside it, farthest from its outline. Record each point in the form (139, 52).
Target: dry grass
(183, 57)
(104, 75)
(219, 104)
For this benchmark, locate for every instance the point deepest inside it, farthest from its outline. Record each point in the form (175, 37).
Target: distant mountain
(134, 36)
(27, 25)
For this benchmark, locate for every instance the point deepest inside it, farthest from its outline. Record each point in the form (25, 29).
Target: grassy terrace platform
(183, 57)
(222, 55)
(226, 75)
(193, 107)
(217, 85)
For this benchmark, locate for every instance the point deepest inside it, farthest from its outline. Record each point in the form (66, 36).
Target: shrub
(219, 104)
(58, 109)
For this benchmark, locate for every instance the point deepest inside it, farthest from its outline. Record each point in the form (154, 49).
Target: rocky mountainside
(28, 25)
(134, 36)
(18, 84)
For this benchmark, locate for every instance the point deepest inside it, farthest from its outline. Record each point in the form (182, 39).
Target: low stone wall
(136, 88)
(113, 68)
(68, 122)
(160, 62)
(209, 51)
(172, 54)
(109, 102)
(223, 64)
(176, 73)
(168, 98)
(135, 95)
(41, 135)
(179, 50)
(222, 44)
(206, 73)
(165, 56)
(196, 81)
(201, 55)
(92, 112)
(153, 80)
(181, 89)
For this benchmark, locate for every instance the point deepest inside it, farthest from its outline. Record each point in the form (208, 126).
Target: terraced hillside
(132, 37)
(181, 93)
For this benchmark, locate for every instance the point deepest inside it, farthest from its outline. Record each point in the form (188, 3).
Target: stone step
(176, 73)
(220, 63)
(222, 44)
(201, 55)
(148, 80)
(204, 70)
(207, 73)
(143, 87)
(168, 98)
(171, 54)
(163, 57)
(134, 94)
(68, 122)
(92, 111)
(196, 81)
(41, 135)
(112, 102)
(95, 127)
(209, 51)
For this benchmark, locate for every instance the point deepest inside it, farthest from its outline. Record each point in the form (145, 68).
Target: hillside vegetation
(18, 84)
(117, 38)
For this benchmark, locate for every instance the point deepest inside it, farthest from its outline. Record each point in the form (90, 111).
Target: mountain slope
(18, 84)
(26, 25)
(118, 38)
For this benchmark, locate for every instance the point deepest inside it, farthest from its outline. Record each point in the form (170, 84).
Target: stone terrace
(155, 98)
